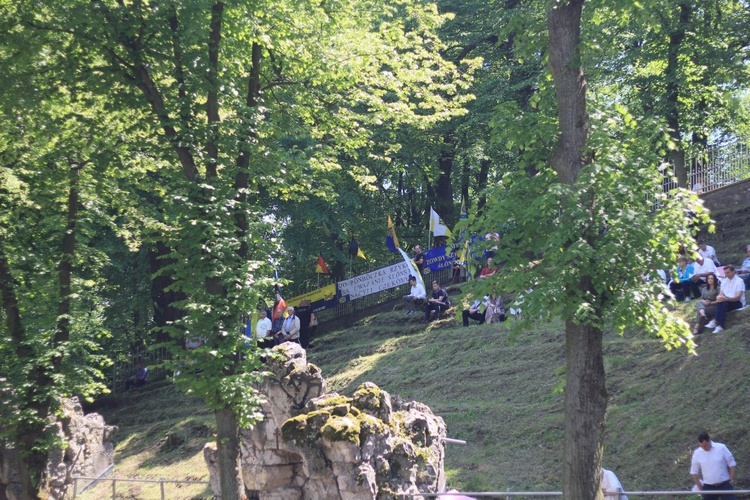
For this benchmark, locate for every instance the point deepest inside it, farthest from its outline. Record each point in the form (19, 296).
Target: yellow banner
(326, 293)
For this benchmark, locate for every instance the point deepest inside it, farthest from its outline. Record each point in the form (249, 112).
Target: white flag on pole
(437, 227)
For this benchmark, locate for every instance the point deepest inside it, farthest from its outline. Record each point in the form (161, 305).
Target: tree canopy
(160, 159)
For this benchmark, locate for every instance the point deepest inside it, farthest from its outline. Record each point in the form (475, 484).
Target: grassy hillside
(495, 388)
(161, 435)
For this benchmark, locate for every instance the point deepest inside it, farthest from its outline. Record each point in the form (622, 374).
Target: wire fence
(147, 488)
(150, 357)
(717, 166)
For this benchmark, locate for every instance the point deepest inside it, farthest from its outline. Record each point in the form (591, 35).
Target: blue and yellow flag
(391, 241)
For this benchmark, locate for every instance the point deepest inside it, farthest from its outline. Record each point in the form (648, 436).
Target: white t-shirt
(714, 464)
(730, 288)
(708, 266)
(262, 327)
(611, 486)
(417, 291)
(709, 253)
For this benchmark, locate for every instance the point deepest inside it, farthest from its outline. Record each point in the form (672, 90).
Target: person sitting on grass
(495, 312)
(706, 306)
(731, 297)
(488, 270)
(701, 269)
(744, 270)
(139, 379)
(681, 288)
(708, 252)
(474, 312)
(417, 294)
(437, 303)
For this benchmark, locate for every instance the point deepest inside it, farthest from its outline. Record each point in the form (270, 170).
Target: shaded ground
(161, 435)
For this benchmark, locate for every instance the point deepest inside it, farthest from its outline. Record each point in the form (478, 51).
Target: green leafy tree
(682, 61)
(52, 156)
(255, 104)
(581, 223)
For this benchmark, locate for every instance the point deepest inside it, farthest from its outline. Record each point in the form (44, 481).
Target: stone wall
(735, 195)
(730, 207)
(89, 452)
(318, 445)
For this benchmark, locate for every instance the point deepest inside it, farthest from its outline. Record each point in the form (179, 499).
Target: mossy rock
(331, 401)
(371, 425)
(367, 397)
(295, 430)
(342, 429)
(304, 429)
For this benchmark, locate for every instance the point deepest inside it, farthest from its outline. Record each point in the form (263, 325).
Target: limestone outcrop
(88, 453)
(318, 445)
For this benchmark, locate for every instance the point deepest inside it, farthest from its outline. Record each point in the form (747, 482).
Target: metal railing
(150, 357)
(609, 496)
(717, 166)
(162, 482)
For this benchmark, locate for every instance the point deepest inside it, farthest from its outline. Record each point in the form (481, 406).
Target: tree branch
(212, 102)
(146, 84)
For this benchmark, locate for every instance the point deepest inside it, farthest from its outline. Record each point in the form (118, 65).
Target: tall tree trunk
(484, 173)
(465, 178)
(65, 270)
(585, 392)
(672, 96)
(32, 462)
(444, 189)
(585, 406)
(41, 396)
(228, 452)
(165, 312)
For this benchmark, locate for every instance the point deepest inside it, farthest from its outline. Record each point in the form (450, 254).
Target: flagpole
(429, 233)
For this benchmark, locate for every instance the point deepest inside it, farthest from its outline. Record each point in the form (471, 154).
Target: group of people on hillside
(489, 310)
(432, 306)
(297, 326)
(718, 290)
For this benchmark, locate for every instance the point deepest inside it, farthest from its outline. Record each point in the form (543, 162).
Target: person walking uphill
(716, 464)
(437, 303)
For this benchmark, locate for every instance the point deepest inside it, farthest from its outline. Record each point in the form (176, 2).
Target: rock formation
(318, 445)
(89, 452)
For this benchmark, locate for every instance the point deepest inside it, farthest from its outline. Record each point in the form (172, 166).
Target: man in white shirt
(715, 462)
(701, 269)
(708, 252)
(263, 331)
(731, 297)
(611, 486)
(416, 294)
